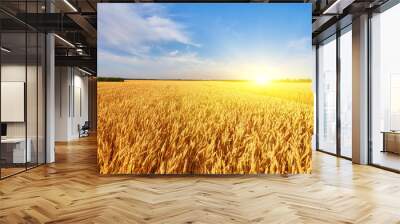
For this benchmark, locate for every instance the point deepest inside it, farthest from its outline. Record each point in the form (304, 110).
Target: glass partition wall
(345, 90)
(327, 96)
(13, 89)
(334, 106)
(385, 89)
(334, 101)
(22, 78)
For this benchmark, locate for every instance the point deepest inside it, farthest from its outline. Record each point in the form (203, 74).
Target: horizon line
(238, 80)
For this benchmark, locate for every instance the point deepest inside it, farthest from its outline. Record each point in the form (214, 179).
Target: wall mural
(204, 88)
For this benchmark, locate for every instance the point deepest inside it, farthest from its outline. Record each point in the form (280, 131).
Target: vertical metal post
(0, 93)
(360, 87)
(338, 81)
(45, 94)
(26, 86)
(317, 97)
(50, 91)
(37, 89)
(369, 79)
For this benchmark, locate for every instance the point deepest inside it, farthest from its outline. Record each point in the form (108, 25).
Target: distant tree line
(110, 79)
(292, 80)
(116, 79)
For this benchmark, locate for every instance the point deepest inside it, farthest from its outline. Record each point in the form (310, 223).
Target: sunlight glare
(261, 80)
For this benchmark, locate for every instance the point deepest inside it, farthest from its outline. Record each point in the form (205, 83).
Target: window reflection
(346, 93)
(385, 89)
(327, 96)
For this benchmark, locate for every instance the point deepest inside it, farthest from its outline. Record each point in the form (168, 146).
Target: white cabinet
(19, 155)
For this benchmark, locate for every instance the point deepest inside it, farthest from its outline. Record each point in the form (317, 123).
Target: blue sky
(204, 41)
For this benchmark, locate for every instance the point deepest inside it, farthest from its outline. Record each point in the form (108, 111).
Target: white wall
(62, 85)
(71, 87)
(13, 72)
(81, 89)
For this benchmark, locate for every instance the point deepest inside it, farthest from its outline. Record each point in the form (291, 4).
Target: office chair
(84, 130)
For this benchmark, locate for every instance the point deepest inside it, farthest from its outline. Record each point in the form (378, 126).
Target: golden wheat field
(204, 127)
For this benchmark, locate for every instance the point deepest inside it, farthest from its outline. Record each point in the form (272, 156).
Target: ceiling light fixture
(86, 72)
(70, 5)
(79, 51)
(64, 40)
(5, 50)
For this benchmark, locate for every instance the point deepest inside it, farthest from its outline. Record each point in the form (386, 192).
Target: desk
(391, 141)
(15, 148)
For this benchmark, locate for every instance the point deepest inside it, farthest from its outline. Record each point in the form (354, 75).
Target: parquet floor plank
(72, 191)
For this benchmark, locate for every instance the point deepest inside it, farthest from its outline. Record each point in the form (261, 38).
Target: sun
(261, 80)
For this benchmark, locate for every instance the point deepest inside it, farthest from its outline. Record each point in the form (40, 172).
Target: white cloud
(133, 31)
(128, 35)
(173, 53)
(171, 65)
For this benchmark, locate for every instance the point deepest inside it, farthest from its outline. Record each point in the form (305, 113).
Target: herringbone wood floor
(71, 191)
